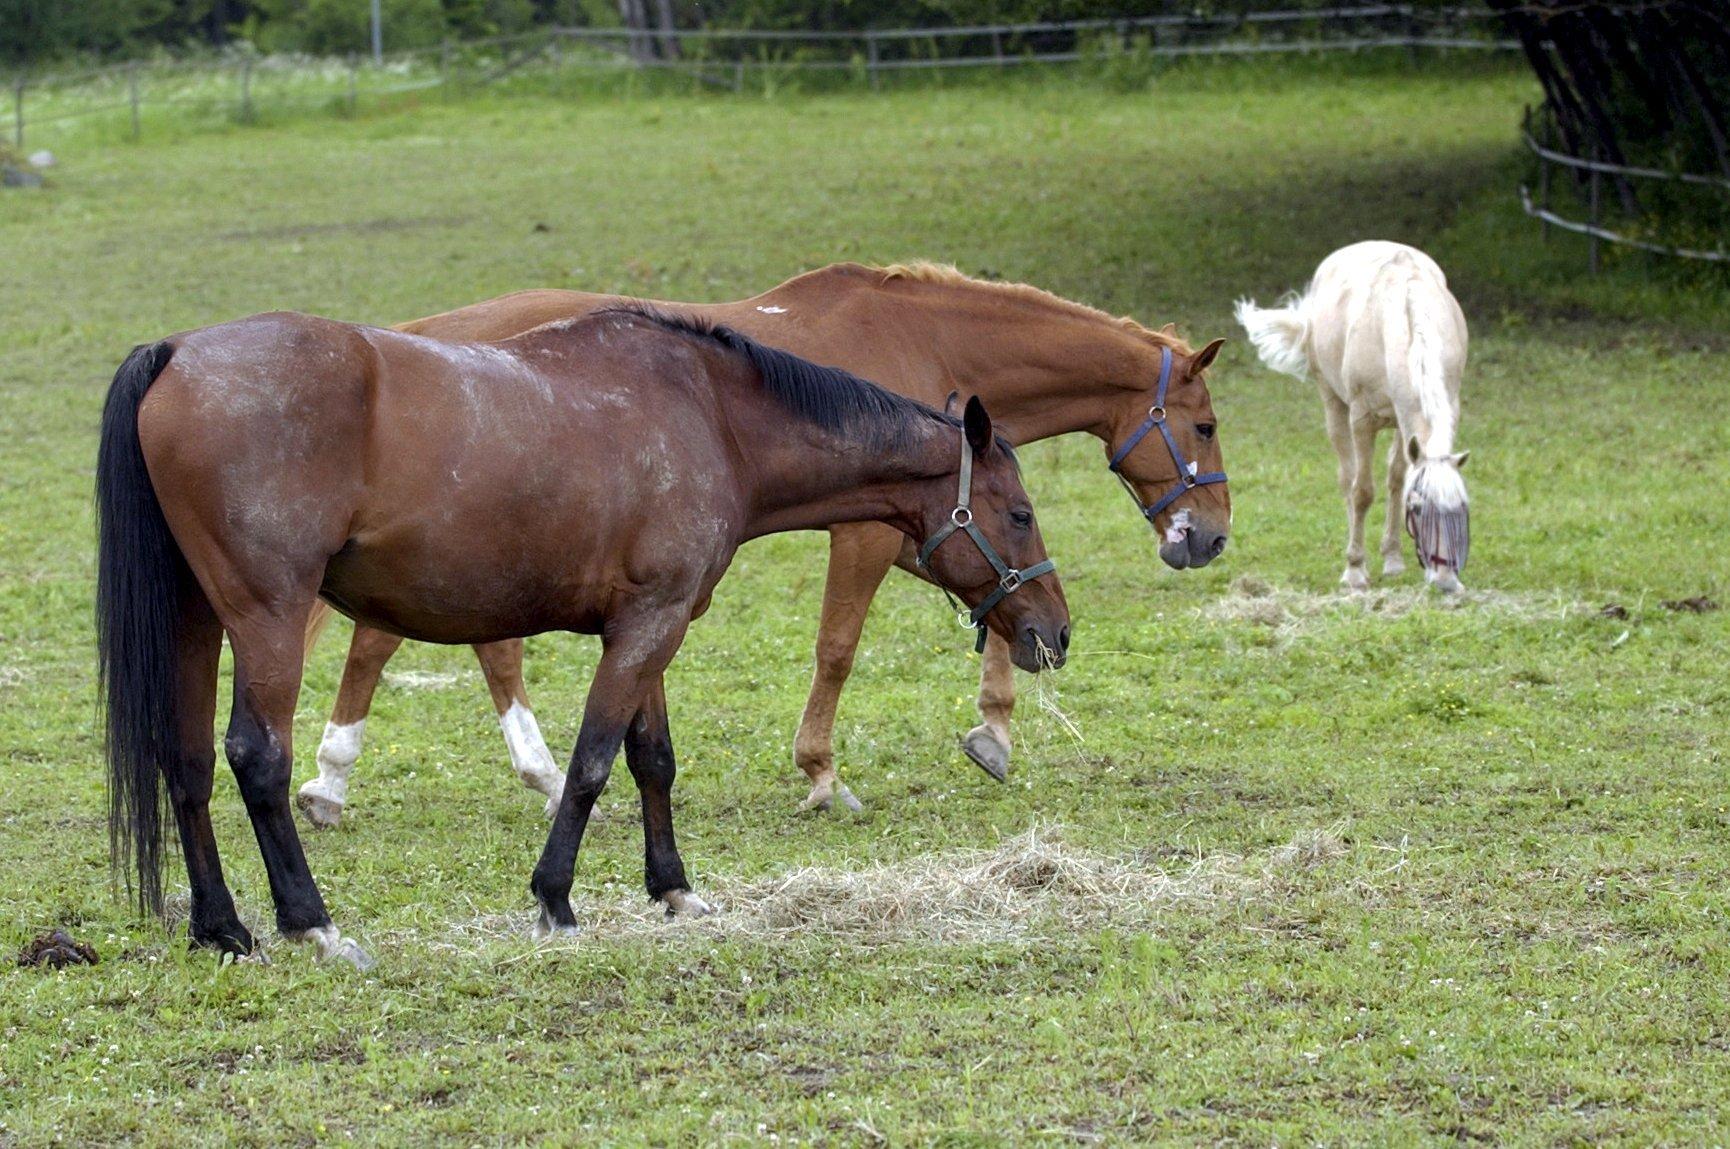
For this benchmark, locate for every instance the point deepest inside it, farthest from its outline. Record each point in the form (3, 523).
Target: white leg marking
(530, 757)
(322, 798)
(332, 945)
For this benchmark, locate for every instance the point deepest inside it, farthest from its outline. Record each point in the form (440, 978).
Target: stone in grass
(19, 177)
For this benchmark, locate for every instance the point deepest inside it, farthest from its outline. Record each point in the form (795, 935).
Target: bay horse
(1044, 365)
(593, 475)
(1386, 341)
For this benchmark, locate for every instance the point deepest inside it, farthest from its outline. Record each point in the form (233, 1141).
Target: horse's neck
(1041, 368)
(806, 479)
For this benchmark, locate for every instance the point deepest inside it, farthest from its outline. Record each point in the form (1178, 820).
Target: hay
(1029, 887)
(1291, 612)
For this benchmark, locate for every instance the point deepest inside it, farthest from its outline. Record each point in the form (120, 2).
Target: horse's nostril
(1063, 640)
(1217, 548)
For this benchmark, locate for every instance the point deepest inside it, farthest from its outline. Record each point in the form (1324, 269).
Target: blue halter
(1186, 476)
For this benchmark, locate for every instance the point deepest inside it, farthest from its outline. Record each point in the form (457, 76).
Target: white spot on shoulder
(772, 310)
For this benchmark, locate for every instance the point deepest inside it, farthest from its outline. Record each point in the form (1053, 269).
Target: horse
(1386, 341)
(594, 475)
(1045, 366)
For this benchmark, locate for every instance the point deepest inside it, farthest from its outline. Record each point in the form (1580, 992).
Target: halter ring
(964, 618)
(1156, 413)
(1188, 478)
(961, 516)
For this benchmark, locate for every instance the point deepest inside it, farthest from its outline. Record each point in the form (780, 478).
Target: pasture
(1309, 868)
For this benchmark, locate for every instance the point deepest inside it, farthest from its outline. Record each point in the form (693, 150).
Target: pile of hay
(1030, 886)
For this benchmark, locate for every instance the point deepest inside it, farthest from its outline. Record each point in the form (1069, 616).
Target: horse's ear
(977, 424)
(1459, 460)
(1414, 452)
(1204, 358)
(1169, 330)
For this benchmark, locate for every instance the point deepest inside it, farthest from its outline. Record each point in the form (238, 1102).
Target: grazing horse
(594, 475)
(1387, 343)
(1044, 365)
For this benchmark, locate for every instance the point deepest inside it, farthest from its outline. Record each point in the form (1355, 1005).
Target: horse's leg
(322, 798)
(649, 754)
(268, 654)
(1363, 493)
(1340, 435)
(502, 664)
(213, 921)
(1393, 532)
(860, 555)
(635, 651)
(988, 743)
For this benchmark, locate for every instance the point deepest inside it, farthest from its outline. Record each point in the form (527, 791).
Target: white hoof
(1393, 565)
(988, 751)
(1356, 580)
(685, 904)
(826, 793)
(332, 946)
(551, 809)
(320, 808)
(1446, 581)
(544, 928)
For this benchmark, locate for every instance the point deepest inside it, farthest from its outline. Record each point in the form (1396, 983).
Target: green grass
(1524, 939)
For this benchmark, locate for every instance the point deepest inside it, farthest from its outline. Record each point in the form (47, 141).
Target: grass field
(1506, 916)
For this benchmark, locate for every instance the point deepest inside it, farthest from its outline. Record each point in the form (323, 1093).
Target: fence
(718, 57)
(1591, 172)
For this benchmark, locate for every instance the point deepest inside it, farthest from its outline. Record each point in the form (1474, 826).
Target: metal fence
(241, 87)
(1587, 173)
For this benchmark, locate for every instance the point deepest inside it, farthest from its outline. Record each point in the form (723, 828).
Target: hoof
(331, 946)
(685, 904)
(823, 796)
(987, 751)
(320, 808)
(546, 927)
(1393, 565)
(551, 809)
(1355, 580)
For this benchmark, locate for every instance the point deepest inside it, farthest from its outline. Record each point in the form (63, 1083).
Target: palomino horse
(1045, 366)
(594, 475)
(1387, 343)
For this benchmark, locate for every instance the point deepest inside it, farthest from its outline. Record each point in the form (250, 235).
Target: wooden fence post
(870, 63)
(1544, 170)
(353, 83)
(246, 91)
(445, 68)
(1597, 215)
(132, 96)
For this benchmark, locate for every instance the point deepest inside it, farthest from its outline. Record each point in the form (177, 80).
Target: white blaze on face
(1179, 528)
(772, 310)
(530, 757)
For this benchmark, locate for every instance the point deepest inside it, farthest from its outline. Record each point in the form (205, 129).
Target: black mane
(828, 397)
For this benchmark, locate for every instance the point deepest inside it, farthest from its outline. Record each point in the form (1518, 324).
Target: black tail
(139, 576)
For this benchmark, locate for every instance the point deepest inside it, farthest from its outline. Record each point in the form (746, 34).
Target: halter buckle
(1188, 478)
(1010, 582)
(961, 516)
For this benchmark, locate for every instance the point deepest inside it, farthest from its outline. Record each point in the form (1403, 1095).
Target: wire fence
(1587, 174)
(241, 88)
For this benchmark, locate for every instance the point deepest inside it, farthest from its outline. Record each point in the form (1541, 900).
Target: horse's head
(1163, 438)
(980, 513)
(1437, 514)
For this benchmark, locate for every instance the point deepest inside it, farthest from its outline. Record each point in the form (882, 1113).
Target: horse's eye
(1021, 519)
(1205, 430)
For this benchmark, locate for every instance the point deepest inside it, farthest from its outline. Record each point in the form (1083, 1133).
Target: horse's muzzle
(1198, 547)
(1040, 648)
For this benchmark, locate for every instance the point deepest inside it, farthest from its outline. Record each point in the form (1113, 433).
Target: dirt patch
(354, 227)
(57, 949)
(1699, 604)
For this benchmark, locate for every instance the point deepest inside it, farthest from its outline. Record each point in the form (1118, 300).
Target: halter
(1186, 476)
(1009, 579)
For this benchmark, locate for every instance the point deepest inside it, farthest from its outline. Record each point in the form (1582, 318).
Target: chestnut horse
(595, 475)
(1044, 365)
